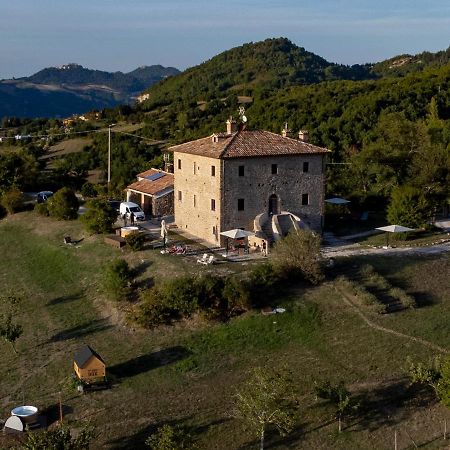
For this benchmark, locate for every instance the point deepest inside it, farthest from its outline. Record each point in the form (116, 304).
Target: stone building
(251, 179)
(153, 192)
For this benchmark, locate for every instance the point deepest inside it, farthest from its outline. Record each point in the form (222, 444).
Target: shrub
(170, 438)
(181, 295)
(152, 310)
(99, 216)
(12, 200)
(117, 277)
(236, 294)
(299, 253)
(406, 300)
(408, 207)
(136, 240)
(63, 205)
(41, 209)
(89, 190)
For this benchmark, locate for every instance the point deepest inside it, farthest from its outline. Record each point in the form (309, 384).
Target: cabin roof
(84, 354)
(247, 143)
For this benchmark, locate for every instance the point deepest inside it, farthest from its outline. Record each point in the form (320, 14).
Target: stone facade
(224, 181)
(195, 189)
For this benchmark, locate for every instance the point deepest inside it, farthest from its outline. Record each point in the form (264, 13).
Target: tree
(63, 205)
(99, 216)
(9, 330)
(12, 200)
(299, 252)
(59, 438)
(340, 397)
(265, 399)
(408, 207)
(170, 438)
(435, 374)
(117, 277)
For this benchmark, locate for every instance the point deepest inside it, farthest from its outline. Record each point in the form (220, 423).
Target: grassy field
(187, 373)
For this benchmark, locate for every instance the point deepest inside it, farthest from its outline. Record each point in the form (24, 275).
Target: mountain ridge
(72, 88)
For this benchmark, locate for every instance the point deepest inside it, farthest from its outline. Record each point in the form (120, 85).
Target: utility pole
(109, 155)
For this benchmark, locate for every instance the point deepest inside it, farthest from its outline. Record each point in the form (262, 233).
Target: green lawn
(188, 373)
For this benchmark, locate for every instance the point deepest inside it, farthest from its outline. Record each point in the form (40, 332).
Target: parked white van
(130, 207)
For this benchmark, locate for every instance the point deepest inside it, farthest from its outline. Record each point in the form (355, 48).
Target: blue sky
(124, 34)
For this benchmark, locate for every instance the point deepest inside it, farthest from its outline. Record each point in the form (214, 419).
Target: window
(179, 164)
(213, 205)
(241, 204)
(214, 230)
(180, 196)
(195, 201)
(213, 171)
(194, 168)
(274, 169)
(241, 171)
(305, 199)
(305, 167)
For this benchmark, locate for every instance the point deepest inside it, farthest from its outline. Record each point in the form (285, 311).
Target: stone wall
(194, 179)
(163, 206)
(258, 184)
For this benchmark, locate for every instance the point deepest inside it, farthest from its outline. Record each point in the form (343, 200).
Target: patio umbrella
(237, 233)
(164, 232)
(393, 229)
(337, 201)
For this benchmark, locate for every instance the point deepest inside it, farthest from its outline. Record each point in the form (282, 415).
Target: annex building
(250, 179)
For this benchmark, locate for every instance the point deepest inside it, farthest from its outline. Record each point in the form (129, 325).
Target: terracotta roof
(149, 172)
(152, 187)
(247, 143)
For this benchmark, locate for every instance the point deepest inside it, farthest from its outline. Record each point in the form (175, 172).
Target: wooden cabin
(89, 365)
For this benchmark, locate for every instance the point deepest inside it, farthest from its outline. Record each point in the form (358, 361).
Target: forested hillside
(389, 132)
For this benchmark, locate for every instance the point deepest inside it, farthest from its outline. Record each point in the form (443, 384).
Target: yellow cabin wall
(93, 369)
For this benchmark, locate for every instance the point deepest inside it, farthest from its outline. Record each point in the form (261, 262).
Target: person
(124, 218)
(132, 218)
(264, 248)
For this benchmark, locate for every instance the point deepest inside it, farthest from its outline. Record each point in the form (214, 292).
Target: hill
(71, 89)
(268, 65)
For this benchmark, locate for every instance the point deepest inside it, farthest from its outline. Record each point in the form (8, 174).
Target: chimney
(231, 126)
(303, 135)
(285, 132)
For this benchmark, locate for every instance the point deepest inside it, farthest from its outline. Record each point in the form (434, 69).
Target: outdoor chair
(207, 261)
(203, 259)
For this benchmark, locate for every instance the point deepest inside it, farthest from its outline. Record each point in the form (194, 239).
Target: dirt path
(351, 250)
(430, 345)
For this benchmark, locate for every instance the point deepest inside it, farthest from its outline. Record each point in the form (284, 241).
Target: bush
(299, 253)
(117, 277)
(236, 294)
(406, 300)
(63, 205)
(41, 209)
(135, 240)
(12, 200)
(152, 310)
(89, 190)
(408, 207)
(99, 216)
(170, 438)
(181, 295)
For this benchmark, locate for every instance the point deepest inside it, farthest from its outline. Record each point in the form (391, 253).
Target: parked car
(130, 207)
(115, 204)
(43, 196)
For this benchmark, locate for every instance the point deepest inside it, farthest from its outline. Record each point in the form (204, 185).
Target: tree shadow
(137, 440)
(145, 363)
(65, 299)
(52, 412)
(84, 329)
(390, 404)
(141, 268)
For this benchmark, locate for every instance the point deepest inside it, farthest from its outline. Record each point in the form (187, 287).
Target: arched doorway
(274, 204)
